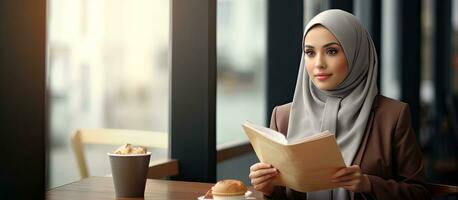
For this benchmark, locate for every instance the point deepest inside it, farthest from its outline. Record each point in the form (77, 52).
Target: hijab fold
(344, 110)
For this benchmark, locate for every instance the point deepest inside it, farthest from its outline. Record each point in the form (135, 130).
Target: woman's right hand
(261, 175)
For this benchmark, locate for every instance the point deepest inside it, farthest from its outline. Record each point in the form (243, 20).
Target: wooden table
(102, 188)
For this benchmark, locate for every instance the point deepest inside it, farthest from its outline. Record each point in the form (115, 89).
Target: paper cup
(129, 173)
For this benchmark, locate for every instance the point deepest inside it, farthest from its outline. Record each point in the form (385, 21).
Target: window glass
(241, 60)
(107, 68)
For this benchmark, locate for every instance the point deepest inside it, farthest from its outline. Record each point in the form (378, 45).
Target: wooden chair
(441, 190)
(157, 169)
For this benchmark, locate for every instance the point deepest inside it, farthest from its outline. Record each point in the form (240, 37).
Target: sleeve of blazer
(279, 191)
(409, 178)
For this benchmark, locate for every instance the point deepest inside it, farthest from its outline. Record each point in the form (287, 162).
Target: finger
(262, 179)
(345, 171)
(339, 173)
(348, 177)
(343, 179)
(259, 166)
(353, 183)
(262, 172)
(262, 185)
(354, 187)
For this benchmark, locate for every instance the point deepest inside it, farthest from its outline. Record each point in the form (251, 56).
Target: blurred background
(108, 66)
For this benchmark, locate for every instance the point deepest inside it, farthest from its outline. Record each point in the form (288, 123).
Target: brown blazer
(389, 153)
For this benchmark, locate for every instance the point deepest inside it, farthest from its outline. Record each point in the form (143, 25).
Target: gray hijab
(344, 110)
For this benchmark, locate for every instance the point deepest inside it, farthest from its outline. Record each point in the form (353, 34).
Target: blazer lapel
(362, 146)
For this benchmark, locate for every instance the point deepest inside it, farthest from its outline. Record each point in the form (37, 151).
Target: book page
(310, 138)
(267, 132)
(305, 165)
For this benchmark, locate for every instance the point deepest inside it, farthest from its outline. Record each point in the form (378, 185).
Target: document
(305, 165)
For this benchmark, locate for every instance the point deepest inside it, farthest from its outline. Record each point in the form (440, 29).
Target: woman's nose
(319, 62)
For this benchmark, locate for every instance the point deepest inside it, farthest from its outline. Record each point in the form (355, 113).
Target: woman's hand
(261, 175)
(352, 179)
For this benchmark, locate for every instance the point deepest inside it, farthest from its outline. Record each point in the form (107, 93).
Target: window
(241, 60)
(107, 68)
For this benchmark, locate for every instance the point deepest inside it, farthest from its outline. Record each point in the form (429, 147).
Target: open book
(305, 165)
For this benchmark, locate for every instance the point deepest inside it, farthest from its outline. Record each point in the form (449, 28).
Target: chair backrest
(441, 190)
(113, 137)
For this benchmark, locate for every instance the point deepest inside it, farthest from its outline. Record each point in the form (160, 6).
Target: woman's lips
(322, 77)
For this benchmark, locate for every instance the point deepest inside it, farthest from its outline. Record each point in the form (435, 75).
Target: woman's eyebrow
(326, 45)
(331, 43)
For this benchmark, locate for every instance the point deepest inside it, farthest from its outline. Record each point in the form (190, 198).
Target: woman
(338, 92)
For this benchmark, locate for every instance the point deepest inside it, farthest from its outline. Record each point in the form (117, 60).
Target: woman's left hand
(352, 179)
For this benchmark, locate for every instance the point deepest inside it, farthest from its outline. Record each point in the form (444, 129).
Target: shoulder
(280, 118)
(383, 101)
(392, 113)
(389, 107)
(283, 109)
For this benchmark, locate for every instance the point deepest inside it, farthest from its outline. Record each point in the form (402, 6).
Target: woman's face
(324, 58)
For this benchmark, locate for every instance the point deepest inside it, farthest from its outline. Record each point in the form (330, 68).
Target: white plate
(247, 196)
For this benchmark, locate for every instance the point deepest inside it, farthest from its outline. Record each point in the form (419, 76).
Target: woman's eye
(309, 53)
(332, 51)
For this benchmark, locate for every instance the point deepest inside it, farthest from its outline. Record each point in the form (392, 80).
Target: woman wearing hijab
(336, 90)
